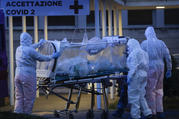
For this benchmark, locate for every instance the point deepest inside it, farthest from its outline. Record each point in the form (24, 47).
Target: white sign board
(45, 7)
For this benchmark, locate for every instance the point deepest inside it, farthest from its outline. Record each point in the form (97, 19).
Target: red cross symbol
(76, 7)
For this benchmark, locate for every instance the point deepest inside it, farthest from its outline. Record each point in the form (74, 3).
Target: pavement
(80, 115)
(98, 114)
(45, 106)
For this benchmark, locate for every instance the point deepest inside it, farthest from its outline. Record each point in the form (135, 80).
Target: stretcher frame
(51, 81)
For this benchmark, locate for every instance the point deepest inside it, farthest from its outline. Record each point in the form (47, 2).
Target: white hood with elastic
(132, 45)
(156, 49)
(25, 39)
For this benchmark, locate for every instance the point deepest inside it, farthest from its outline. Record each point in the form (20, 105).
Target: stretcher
(51, 77)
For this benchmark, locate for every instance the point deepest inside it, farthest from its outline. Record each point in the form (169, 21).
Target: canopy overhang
(146, 4)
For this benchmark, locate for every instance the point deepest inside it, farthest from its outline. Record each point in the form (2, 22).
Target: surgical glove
(128, 82)
(55, 55)
(168, 74)
(42, 41)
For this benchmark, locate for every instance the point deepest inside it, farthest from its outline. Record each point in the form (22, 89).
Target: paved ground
(45, 106)
(55, 103)
(80, 115)
(97, 115)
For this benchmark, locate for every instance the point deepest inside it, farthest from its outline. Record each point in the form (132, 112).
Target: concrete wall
(169, 36)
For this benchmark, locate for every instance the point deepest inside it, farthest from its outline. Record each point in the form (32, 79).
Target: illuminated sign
(45, 7)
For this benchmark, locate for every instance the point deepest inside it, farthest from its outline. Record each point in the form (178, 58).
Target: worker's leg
(29, 94)
(19, 97)
(123, 101)
(151, 90)
(133, 98)
(143, 103)
(159, 96)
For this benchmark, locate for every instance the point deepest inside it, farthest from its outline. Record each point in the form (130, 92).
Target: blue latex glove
(168, 74)
(55, 55)
(42, 41)
(128, 82)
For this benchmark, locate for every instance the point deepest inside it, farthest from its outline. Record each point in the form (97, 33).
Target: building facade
(134, 22)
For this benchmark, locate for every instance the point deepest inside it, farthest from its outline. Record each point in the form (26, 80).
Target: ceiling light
(160, 7)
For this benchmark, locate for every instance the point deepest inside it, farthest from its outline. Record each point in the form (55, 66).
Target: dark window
(91, 19)
(106, 17)
(17, 21)
(61, 20)
(29, 20)
(171, 16)
(139, 17)
(107, 13)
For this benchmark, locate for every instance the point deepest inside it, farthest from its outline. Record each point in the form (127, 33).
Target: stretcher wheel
(56, 114)
(89, 115)
(104, 115)
(70, 116)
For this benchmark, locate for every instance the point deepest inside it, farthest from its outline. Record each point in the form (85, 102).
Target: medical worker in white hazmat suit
(137, 62)
(25, 76)
(157, 51)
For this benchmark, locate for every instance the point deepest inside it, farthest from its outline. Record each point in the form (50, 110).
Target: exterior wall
(53, 34)
(169, 34)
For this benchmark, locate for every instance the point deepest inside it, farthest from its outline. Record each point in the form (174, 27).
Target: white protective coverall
(25, 76)
(137, 62)
(157, 51)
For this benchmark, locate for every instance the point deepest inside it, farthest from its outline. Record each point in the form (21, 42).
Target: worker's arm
(36, 55)
(37, 45)
(167, 57)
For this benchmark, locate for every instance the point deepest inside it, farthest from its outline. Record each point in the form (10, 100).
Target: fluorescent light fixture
(160, 7)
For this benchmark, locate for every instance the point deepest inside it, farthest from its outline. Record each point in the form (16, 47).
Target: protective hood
(157, 50)
(132, 45)
(25, 39)
(153, 45)
(150, 34)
